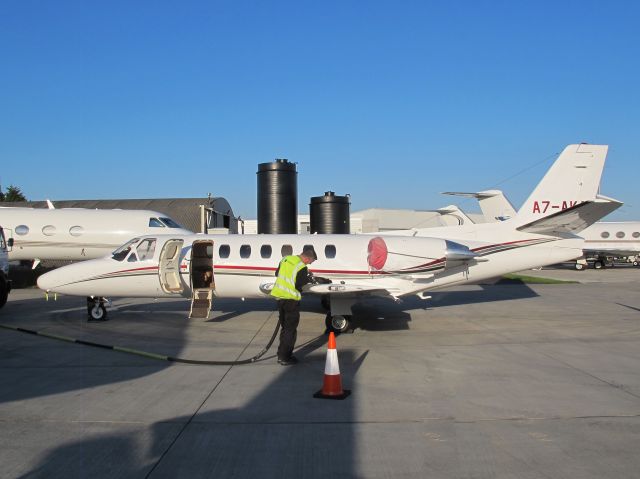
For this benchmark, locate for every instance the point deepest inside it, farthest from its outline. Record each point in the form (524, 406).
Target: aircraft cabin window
(132, 257)
(286, 250)
(330, 251)
(49, 230)
(155, 223)
(146, 249)
(605, 234)
(76, 231)
(224, 251)
(22, 230)
(169, 222)
(122, 252)
(636, 234)
(245, 251)
(620, 234)
(265, 251)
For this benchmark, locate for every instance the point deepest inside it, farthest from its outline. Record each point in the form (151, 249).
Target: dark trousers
(289, 310)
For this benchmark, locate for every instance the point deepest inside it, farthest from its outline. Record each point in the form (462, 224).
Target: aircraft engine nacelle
(404, 255)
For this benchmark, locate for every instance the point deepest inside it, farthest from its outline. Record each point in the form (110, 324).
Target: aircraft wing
(347, 288)
(392, 287)
(573, 219)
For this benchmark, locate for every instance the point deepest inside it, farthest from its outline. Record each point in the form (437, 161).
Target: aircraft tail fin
(573, 179)
(494, 204)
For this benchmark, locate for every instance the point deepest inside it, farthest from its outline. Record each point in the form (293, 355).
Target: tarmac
(486, 381)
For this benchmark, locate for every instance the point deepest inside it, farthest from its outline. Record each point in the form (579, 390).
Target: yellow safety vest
(285, 286)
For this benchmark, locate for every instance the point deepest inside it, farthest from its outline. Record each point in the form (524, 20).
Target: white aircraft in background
(605, 240)
(494, 204)
(76, 233)
(358, 266)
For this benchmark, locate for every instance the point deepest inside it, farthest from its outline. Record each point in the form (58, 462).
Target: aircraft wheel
(579, 266)
(338, 323)
(635, 263)
(96, 310)
(599, 264)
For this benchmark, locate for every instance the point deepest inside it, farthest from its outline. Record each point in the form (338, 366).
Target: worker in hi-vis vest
(292, 274)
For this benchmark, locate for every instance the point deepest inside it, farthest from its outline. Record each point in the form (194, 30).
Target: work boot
(288, 362)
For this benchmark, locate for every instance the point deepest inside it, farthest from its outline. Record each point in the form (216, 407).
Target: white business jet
(358, 266)
(77, 233)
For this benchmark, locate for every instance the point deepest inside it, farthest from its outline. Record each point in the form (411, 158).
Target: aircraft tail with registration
(567, 199)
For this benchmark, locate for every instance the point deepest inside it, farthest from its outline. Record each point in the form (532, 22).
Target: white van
(5, 282)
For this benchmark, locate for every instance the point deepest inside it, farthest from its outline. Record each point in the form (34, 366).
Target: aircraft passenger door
(169, 267)
(202, 280)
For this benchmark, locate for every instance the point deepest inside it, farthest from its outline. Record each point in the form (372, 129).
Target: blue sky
(391, 102)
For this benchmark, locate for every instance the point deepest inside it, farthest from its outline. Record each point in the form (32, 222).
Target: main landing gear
(338, 317)
(339, 323)
(96, 309)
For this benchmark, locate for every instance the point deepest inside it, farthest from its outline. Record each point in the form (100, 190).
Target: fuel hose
(147, 354)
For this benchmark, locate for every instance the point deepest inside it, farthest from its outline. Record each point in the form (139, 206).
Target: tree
(13, 194)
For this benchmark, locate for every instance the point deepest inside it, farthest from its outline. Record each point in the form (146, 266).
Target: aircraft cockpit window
(265, 251)
(132, 257)
(245, 251)
(605, 234)
(122, 252)
(330, 251)
(224, 251)
(636, 234)
(146, 248)
(286, 250)
(22, 230)
(155, 223)
(169, 222)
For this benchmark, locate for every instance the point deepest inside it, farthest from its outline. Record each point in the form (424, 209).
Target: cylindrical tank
(277, 197)
(329, 214)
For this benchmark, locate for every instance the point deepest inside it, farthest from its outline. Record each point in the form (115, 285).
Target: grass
(535, 279)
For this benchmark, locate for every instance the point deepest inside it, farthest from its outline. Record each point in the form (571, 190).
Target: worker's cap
(309, 252)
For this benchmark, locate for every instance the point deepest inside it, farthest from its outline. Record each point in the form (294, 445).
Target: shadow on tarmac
(280, 432)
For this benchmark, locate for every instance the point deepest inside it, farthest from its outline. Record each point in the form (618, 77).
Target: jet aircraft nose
(49, 281)
(66, 278)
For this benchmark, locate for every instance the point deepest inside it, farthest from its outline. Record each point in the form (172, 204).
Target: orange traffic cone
(332, 384)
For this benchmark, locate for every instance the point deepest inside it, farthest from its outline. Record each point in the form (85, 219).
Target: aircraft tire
(338, 323)
(580, 266)
(97, 311)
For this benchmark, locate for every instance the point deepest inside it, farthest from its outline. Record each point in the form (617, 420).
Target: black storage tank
(277, 197)
(329, 214)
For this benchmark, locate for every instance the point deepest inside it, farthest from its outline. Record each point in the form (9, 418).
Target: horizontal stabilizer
(573, 219)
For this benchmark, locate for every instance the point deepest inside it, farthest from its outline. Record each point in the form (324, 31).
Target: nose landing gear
(96, 309)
